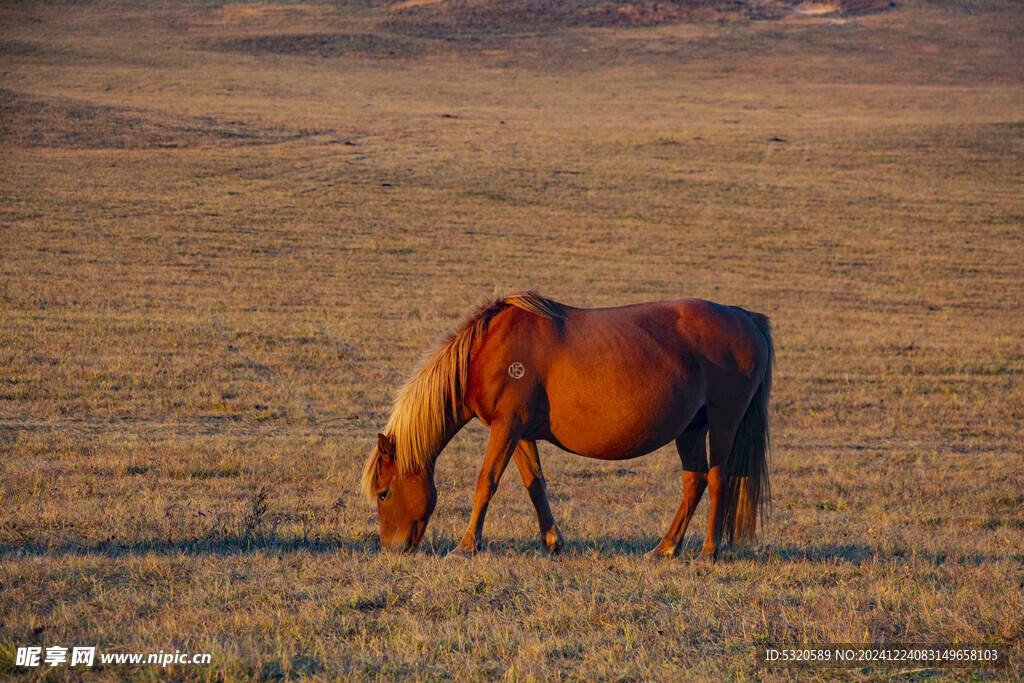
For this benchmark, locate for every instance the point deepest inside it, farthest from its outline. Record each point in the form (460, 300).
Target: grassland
(228, 231)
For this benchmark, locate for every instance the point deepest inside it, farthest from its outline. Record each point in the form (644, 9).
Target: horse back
(691, 331)
(639, 370)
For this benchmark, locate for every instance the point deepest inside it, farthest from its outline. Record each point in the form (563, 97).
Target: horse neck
(460, 417)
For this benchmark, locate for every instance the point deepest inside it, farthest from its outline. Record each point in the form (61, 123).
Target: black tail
(749, 491)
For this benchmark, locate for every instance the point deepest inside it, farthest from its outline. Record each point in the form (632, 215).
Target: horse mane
(427, 405)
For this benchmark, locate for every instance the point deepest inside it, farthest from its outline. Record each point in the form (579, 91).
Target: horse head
(404, 501)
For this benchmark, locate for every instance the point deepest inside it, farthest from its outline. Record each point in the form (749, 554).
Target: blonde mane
(427, 405)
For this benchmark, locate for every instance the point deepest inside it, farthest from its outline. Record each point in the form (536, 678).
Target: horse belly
(616, 416)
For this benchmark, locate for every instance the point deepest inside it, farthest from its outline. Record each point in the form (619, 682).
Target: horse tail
(749, 492)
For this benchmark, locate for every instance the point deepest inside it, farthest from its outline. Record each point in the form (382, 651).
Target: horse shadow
(606, 546)
(198, 545)
(637, 546)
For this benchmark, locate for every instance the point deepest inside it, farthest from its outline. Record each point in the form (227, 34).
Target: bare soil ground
(227, 232)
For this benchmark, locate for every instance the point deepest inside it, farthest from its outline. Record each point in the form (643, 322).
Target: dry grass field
(227, 232)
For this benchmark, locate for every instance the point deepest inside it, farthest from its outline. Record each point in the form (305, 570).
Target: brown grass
(223, 245)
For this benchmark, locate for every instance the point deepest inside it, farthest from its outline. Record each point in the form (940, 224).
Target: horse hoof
(546, 553)
(659, 554)
(459, 553)
(706, 557)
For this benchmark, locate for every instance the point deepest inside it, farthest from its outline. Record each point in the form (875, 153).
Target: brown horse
(606, 383)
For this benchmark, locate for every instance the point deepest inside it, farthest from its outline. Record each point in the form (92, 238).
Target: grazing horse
(605, 383)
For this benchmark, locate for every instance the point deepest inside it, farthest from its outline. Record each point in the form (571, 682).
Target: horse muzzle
(407, 544)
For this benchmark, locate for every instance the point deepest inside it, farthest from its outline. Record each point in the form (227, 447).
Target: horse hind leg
(721, 434)
(528, 462)
(693, 455)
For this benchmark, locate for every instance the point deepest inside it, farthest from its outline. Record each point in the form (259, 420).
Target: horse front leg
(500, 447)
(528, 462)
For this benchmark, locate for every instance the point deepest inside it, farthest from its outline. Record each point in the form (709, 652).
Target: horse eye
(383, 495)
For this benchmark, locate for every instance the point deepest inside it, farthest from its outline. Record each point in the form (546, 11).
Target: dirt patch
(841, 7)
(413, 3)
(445, 18)
(454, 17)
(319, 45)
(252, 12)
(865, 6)
(19, 48)
(33, 121)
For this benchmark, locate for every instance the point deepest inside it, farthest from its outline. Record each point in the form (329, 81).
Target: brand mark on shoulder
(516, 370)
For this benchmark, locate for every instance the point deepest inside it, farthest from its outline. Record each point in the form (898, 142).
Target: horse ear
(385, 448)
